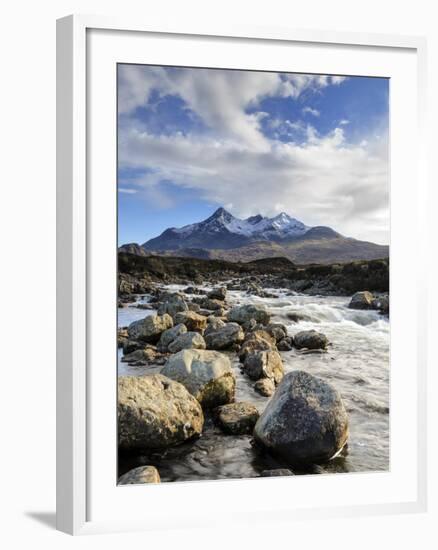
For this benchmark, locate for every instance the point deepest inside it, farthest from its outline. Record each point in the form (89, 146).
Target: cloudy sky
(190, 140)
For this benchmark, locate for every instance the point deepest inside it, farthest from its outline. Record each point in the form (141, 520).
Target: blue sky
(190, 140)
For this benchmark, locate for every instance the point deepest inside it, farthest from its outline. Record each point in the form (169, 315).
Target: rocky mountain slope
(225, 237)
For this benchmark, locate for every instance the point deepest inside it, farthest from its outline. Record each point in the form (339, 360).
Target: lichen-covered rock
(192, 320)
(171, 303)
(169, 335)
(155, 412)
(150, 328)
(224, 337)
(265, 387)
(187, 340)
(140, 475)
(264, 364)
(381, 303)
(206, 374)
(310, 339)
(219, 293)
(257, 340)
(212, 304)
(237, 418)
(244, 314)
(305, 421)
(361, 300)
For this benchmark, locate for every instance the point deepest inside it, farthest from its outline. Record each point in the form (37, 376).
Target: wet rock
(286, 344)
(206, 374)
(305, 421)
(131, 345)
(243, 314)
(277, 472)
(169, 335)
(150, 328)
(219, 293)
(140, 475)
(277, 331)
(155, 412)
(297, 317)
(171, 303)
(140, 356)
(258, 340)
(187, 340)
(381, 303)
(192, 320)
(264, 364)
(237, 418)
(310, 339)
(361, 300)
(224, 337)
(265, 387)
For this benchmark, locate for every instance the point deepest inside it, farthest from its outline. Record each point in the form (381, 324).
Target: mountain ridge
(224, 236)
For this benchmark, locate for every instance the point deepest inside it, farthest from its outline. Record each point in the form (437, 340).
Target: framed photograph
(240, 275)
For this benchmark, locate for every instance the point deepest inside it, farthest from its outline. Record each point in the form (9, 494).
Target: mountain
(223, 236)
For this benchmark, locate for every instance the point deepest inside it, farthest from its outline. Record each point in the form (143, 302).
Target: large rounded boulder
(310, 339)
(244, 314)
(172, 303)
(257, 340)
(149, 329)
(169, 335)
(237, 418)
(361, 300)
(304, 422)
(155, 412)
(207, 375)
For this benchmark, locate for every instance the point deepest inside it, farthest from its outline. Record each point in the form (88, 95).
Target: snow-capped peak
(256, 227)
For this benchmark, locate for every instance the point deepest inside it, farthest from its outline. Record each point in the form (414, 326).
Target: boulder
(212, 304)
(155, 412)
(192, 320)
(139, 356)
(169, 335)
(310, 339)
(237, 418)
(171, 303)
(224, 337)
(277, 331)
(258, 340)
(187, 340)
(140, 475)
(304, 422)
(150, 328)
(213, 324)
(244, 314)
(219, 293)
(265, 387)
(264, 364)
(361, 300)
(131, 345)
(286, 344)
(381, 303)
(206, 374)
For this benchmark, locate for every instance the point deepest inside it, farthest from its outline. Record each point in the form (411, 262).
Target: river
(356, 363)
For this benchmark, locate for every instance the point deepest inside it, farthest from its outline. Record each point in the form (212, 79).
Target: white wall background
(27, 218)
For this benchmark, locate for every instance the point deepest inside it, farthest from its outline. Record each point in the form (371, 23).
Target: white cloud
(310, 111)
(322, 180)
(344, 122)
(127, 191)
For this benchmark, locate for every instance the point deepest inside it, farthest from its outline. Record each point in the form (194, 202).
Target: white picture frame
(76, 212)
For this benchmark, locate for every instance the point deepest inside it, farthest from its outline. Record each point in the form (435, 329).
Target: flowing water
(356, 363)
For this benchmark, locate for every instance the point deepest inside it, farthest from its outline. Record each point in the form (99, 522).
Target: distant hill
(225, 237)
